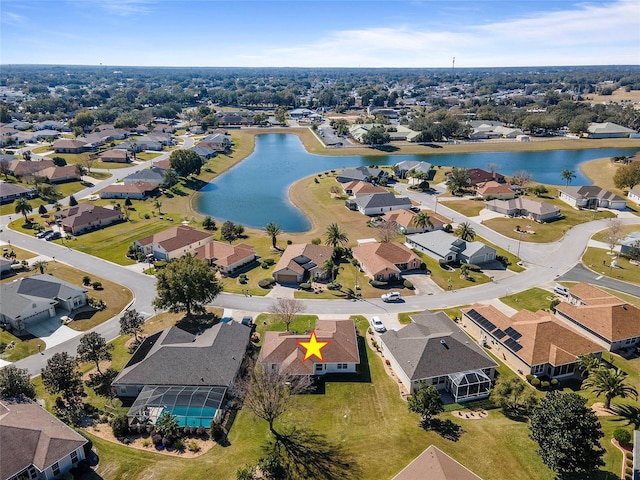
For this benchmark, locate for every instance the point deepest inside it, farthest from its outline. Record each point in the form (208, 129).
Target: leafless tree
(521, 178)
(286, 309)
(614, 233)
(387, 231)
(268, 394)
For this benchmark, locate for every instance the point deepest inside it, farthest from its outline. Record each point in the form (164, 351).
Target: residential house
(86, 217)
(401, 168)
(433, 349)
(115, 155)
(221, 142)
(29, 300)
(18, 125)
(10, 192)
(5, 265)
(591, 196)
(55, 174)
(396, 133)
(358, 187)
(183, 374)
(477, 175)
(24, 168)
(132, 190)
(378, 203)
(385, 261)
(68, 145)
(440, 245)
(390, 113)
(173, 242)
(404, 220)
(228, 258)
(50, 125)
(300, 262)
(46, 134)
(631, 240)
(434, 464)
(634, 195)
(35, 444)
(235, 118)
(534, 343)
(363, 174)
(492, 189)
(281, 351)
(600, 316)
(607, 130)
(300, 112)
(151, 175)
(489, 129)
(525, 207)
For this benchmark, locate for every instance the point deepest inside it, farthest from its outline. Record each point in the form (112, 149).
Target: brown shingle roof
(86, 213)
(224, 254)
(493, 187)
(175, 237)
(544, 338)
(282, 348)
(316, 253)
(405, 218)
(434, 464)
(379, 256)
(361, 188)
(133, 187)
(29, 435)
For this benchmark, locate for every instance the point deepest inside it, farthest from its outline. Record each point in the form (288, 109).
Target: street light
(519, 240)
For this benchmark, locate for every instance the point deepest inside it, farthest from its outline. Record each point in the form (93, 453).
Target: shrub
(316, 241)
(334, 286)
(503, 260)
(193, 446)
(535, 382)
(315, 180)
(159, 264)
(622, 436)
(266, 282)
(554, 382)
(86, 280)
(305, 286)
(377, 283)
(473, 267)
(97, 285)
(157, 439)
(201, 431)
(554, 303)
(629, 455)
(167, 441)
(179, 445)
(544, 384)
(120, 426)
(242, 278)
(146, 443)
(216, 431)
(147, 216)
(529, 377)
(628, 471)
(407, 284)
(289, 242)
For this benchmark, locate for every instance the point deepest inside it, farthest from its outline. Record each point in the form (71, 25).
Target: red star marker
(313, 347)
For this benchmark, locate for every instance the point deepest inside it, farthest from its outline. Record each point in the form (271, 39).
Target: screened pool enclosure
(192, 406)
(470, 385)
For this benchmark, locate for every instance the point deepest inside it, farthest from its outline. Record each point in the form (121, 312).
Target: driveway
(423, 283)
(52, 332)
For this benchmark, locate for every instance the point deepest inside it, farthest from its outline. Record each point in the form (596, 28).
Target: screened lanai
(469, 385)
(191, 406)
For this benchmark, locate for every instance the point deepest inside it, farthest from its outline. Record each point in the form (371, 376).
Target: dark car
(248, 321)
(53, 236)
(43, 233)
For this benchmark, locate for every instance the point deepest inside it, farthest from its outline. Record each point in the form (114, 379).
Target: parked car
(43, 233)
(248, 321)
(391, 297)
(560, 290)
(53, 236)
(377, 325)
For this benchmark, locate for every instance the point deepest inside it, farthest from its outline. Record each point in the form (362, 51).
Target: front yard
(599, 260)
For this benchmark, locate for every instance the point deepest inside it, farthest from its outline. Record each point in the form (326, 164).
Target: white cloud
(126, 7)
(10, 18)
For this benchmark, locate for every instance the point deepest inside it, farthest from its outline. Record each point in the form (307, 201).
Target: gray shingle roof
(176, 357)
(373, 200)
(419, 350)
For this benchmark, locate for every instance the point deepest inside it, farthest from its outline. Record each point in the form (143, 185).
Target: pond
(254, 192)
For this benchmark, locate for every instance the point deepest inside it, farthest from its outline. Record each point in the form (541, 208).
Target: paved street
(545, 263)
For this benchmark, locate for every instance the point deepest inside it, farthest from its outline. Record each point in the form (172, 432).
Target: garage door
(287, 279)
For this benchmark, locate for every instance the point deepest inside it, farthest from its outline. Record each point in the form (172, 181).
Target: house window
(341, 366)
(319, 367)
(538, 369)
(56, 469)
(74, 457)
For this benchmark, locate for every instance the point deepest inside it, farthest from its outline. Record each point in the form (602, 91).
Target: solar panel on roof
(499, 334)
(512, 344)
(481, 320)
(513, 333)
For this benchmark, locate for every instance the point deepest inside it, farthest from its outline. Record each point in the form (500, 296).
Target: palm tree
(329, 267)
(465, 231)
(568, 175)
(273, 230)
(23, 207)
(335, 236)
(158, 204)
(611, 383)
(422, 221)
(40, 265)
(588, 363)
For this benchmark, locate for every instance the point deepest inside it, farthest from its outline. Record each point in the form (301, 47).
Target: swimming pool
(192, 416)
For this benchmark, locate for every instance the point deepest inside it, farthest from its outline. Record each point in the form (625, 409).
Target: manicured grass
(99, 175)
(533, 299)
(23, 346)
(468, 208)
(513, 260)
(599, 260)
(64, 189)
(81, 158)
(601, 172)
(21, 254)
(602, 235)
(405, 317)
(144, 156)
(266, 322)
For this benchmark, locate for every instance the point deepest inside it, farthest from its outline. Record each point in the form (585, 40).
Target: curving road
(544, 262)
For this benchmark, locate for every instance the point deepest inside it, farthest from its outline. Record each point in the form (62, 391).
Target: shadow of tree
(386, 148)
(101, 382)
(303, 454)
(628, 413)
(197, 323)
(597, 475)
(445, 428)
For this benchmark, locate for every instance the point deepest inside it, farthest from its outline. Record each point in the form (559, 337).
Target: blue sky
(308, 33)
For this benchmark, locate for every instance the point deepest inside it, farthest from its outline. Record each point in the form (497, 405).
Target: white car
(377, 325)
(390, 297)
(560, 290)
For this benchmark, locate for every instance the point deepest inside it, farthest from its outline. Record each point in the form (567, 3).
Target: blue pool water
(254, 192)
(192, 417)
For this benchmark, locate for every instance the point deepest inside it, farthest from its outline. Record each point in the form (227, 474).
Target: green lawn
(533, 299)
(64, 189)
(468, 208)
(513, 259)
(599, 260)
(444, 278)
(602, 235)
